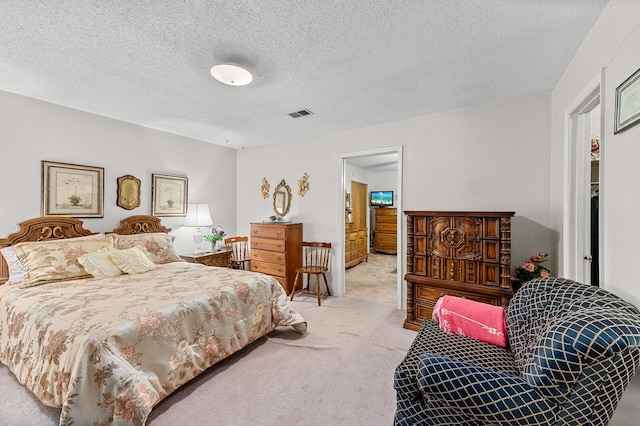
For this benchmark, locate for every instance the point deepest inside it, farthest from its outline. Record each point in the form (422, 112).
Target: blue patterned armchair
(572, 350)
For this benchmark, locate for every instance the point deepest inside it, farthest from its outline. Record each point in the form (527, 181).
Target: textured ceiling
(353, 63)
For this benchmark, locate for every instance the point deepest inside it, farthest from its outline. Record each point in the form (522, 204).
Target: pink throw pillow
(469, 318)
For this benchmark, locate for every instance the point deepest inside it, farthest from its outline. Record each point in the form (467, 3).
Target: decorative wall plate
(128, 192)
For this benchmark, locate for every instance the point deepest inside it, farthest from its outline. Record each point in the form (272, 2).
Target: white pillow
(99, 264)
(16, 270)
(133, 260)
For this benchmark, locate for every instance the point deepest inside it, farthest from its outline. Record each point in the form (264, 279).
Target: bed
(106, 349)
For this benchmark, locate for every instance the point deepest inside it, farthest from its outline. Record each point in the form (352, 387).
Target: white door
(581, 236)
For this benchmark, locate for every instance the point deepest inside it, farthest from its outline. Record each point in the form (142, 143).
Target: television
(381, 199)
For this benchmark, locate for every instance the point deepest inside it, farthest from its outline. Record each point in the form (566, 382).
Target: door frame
(576, 188)
(401, 295)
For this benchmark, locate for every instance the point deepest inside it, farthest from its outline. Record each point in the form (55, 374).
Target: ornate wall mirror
(282, 199)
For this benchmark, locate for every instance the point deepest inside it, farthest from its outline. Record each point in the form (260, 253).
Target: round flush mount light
(232, 75)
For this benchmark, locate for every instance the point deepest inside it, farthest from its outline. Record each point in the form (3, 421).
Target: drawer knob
(441, 294)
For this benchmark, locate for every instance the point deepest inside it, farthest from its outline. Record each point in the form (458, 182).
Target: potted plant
(531, 269)
(215, 238)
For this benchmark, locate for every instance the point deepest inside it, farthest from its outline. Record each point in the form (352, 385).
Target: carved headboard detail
(140, 224)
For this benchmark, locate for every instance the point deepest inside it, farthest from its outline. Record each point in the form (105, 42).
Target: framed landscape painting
(72, 190)
(169, 195)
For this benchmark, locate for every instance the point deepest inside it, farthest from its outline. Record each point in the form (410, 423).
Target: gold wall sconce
(303, 185)
(265, 189)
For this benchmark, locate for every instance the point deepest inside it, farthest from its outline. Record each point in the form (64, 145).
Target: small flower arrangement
(215, 236)
(531, 269)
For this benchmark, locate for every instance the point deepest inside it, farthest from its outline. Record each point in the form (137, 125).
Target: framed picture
(628, 103)
(169, 195)
(72, 190)
(128, 192)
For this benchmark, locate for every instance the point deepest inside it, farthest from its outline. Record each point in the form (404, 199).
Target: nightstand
(215, 258)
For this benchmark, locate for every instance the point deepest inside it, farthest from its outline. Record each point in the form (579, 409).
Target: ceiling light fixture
(232, 75)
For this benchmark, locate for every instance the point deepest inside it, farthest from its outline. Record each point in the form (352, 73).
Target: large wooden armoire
(465, 254)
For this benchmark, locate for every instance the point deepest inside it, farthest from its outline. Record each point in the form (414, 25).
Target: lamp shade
(198, 215)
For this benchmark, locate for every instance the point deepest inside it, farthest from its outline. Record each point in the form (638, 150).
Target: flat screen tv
(381, 199)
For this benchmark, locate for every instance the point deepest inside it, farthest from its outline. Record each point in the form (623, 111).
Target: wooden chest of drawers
(464, 254)
(385, 237)
(276, 250)
(355, 246)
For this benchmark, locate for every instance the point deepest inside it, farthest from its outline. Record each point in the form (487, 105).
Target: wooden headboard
(59, 227)
(140, 224)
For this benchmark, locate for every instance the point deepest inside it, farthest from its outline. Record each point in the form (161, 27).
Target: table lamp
(198, 215)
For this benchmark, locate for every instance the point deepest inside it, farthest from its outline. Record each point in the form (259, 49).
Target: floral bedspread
(106, 351)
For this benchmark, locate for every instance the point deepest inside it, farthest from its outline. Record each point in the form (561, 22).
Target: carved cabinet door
(454, 248)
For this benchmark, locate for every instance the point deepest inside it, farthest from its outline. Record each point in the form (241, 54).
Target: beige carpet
(373, 280)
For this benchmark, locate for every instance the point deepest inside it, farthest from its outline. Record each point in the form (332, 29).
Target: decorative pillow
(159, 245)
(99, 264)
(16, 271)
(477, 320)
(57, 260)
(133, 260)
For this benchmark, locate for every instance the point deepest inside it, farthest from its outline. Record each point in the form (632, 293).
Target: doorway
(582, 247)
(374, 161)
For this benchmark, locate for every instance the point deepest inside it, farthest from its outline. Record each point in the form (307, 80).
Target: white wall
(384, 181)
(493, 157)
(32, 130)
(612, 45)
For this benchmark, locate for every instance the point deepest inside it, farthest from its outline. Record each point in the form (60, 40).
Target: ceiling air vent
(300, 113)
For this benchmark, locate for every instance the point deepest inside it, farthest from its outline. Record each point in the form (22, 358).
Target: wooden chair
(315, 261)
(239, 248)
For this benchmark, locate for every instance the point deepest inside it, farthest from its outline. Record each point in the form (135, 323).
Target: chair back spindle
(239, 248)
(316, 255)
